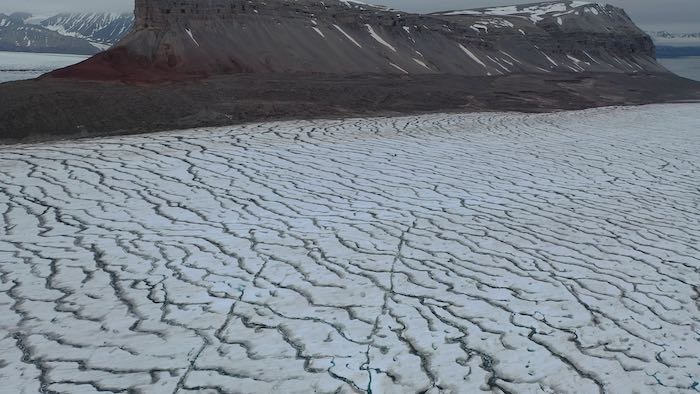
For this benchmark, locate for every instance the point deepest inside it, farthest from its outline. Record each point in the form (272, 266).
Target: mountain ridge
(186, 38)
(18, 36)
(98, 28)
(70, 33)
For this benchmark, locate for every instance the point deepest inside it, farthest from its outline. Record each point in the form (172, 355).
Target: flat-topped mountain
(184, 38)
(192, 63)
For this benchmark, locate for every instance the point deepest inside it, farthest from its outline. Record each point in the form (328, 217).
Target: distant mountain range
(675, 39)
(85, 33)
(676, 44)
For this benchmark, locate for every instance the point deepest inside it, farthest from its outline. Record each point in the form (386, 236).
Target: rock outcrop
(175, 39)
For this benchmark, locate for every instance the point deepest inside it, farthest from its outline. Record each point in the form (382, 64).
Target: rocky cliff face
(184, 38)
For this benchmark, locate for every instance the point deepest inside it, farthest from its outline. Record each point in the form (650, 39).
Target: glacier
(456, 253)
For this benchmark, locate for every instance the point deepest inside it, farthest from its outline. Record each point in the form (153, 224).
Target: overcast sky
(674, 15)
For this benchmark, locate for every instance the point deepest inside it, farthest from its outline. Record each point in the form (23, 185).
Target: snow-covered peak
(534, 12)
(36, 19)
(102, 28)
(9, 20)
(361, 4)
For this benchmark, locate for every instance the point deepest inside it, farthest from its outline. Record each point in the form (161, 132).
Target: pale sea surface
(21, 65)
(688, 67)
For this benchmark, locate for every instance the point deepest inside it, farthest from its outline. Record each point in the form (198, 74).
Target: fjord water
(688, 67)
(21, 65)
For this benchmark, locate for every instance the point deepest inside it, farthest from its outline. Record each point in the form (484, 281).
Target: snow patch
(422, 63)
(398, 68)
(189, 33)
(320, 33)
(340, 29)
(535, 13)
(471, 55)
(378, 38)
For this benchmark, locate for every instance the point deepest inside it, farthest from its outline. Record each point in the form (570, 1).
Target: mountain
(84, 34)
(675, 39)
(174, 40)
(18, 36)
(101, 29)
(24, 16)
(198, 63)
(671, 45)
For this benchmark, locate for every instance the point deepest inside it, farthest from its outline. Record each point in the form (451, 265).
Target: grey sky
(674, 15)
